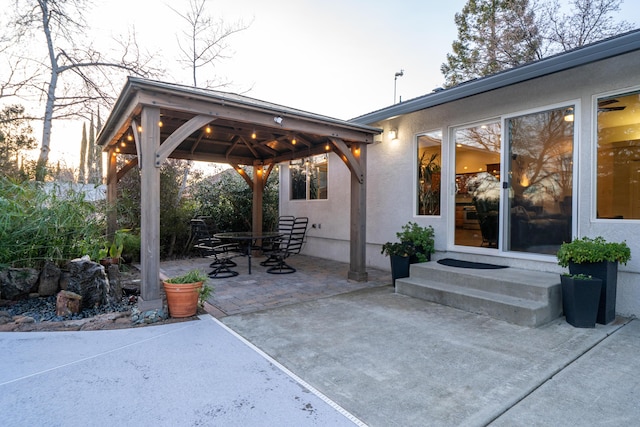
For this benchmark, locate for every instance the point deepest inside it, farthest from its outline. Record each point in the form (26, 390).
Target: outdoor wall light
(568, 115)
(278, 120)
(393, 134)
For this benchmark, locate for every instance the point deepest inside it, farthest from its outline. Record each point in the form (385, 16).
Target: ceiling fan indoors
(604, 106)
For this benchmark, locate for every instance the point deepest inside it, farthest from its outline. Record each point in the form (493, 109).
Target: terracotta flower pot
(182, 298)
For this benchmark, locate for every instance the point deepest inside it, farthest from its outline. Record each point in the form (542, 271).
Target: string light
(293, 141)
(139, 128)
(207, 129)
(327, 147)
(160, 124)
(253, 134)
(129, 137)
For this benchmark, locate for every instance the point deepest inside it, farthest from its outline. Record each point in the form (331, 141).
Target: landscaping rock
(68, 303)
(49, 279)
(115, 284)
(16, 283)
(5, 317)
(89, 280)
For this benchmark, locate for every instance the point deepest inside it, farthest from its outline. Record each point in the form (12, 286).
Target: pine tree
(493, 35)
(91, 154)
(100, 172)
(82, 179)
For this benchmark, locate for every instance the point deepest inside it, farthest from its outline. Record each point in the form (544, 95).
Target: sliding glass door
(477, 169)
(540, 180)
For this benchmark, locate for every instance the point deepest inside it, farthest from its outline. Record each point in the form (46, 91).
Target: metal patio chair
(210, 247)
(289, 246)
(270, 247)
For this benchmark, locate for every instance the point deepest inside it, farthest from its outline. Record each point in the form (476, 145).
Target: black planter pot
(399, 267)
(607, 271)
(580, 299)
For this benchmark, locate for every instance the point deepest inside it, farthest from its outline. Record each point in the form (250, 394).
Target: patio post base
(152, 304)
(358, 276)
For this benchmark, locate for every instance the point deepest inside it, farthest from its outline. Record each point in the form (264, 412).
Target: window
(618, 180)
(309, 178)
(429, 166)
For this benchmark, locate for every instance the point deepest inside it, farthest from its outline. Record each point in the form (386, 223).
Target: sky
(337, 58)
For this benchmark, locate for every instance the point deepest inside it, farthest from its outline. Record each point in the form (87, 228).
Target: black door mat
(468, 264)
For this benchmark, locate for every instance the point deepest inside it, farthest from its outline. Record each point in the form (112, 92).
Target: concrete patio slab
(393, 360)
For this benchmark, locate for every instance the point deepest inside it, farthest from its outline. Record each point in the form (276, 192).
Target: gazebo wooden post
(112, 193)
(358, 215)
(150, 211)
(258, 191)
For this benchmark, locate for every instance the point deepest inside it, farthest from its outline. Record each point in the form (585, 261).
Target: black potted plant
(580, 298)
(416, 244)
(399, 253)
(598, 258)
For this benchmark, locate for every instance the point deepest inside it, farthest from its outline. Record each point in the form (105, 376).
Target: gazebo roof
(235, 128)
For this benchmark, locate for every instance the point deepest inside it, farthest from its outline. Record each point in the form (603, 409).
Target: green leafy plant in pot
(184, 292)
(421, 238)
(112, 251)
(400, 255)
(416, 244)
(597, 258)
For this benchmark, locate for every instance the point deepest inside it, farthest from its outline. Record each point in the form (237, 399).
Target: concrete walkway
(373, 356)
(194, 373)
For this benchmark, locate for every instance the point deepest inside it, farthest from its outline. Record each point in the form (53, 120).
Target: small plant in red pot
(183, 293)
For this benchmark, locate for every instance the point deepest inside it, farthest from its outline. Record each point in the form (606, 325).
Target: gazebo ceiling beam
(234, 142)
(250, 117)
(249, 144)
(265, 147)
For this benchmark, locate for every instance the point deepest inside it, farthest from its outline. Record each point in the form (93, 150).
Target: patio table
(246, 240)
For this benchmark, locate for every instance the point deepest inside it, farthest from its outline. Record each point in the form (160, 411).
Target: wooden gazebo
(155, 120)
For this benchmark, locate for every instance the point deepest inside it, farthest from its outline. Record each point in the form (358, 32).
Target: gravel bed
(44, 309)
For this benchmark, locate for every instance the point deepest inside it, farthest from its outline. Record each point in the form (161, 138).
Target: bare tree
(203, 43)
(590, 21)
(75, 75)
(205, 40)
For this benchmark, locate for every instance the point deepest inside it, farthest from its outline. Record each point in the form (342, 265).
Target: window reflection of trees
(541, 152)
(485, 137)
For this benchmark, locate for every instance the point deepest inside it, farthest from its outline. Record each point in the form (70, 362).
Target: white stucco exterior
(391, 173)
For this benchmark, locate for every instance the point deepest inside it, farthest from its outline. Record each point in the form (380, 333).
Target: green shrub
(586, 250)
(55, 224)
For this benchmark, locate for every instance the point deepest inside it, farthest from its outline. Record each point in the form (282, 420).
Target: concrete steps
(524, 297)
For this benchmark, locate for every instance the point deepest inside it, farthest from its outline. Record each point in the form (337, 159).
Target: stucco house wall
(391, 173)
